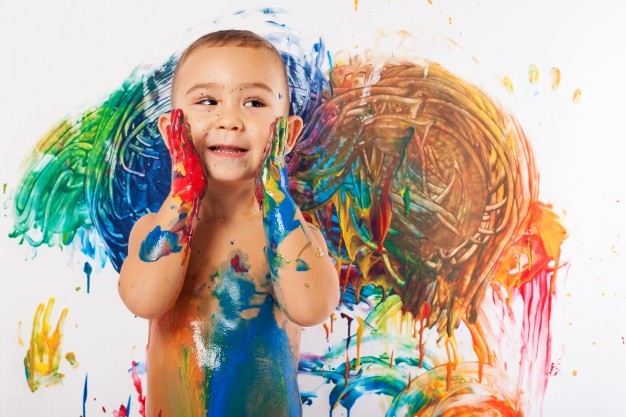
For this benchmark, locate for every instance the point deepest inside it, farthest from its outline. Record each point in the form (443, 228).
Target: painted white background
(57, 57)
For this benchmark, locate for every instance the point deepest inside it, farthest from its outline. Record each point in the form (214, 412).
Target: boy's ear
(164, 121)
(294, 127)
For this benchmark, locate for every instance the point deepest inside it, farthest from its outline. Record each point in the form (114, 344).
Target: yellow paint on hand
(533, 74)
(576, 98)
(555, 73)
(508, 84)
(44, 355)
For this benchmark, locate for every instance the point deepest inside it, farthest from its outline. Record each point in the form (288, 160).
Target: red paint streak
(104, 410)
(188, 175)
(345, 316)
(121, 412)
(137, 382)
(380, 215)
(236, 265)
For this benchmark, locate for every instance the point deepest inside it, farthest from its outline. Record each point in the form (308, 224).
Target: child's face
(231, 96)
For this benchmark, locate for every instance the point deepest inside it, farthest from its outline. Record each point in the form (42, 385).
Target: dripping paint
(425, 188)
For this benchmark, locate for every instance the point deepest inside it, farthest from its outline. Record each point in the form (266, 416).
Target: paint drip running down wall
(427, 193)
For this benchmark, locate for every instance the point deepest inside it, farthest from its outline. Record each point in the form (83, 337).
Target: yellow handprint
(44, 355)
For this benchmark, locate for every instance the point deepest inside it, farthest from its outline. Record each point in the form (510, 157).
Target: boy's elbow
(141, 306)
(314, 313)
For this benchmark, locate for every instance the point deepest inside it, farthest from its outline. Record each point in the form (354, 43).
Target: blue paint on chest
(251, 371)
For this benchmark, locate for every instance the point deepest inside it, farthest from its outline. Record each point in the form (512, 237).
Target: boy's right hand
(188, 175)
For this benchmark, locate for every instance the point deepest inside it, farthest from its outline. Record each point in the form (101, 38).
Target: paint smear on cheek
(158, 243)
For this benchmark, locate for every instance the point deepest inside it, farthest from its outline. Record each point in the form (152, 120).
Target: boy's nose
(229, 120)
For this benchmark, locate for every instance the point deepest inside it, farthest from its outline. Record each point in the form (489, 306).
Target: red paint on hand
(188, 176)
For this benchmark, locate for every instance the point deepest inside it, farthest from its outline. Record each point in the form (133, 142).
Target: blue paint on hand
(158, 243)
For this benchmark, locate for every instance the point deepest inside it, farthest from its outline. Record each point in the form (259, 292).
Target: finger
(283, 138)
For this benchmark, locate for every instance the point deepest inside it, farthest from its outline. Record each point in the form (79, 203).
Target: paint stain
(70, 357)
(4, 188)
(555, 75)
(19, 333)
(253, 348)
(87, 269)
(44, 354)
(508, 84)
(158, 243)
(533, 74)
(237, 267)
(576, 97)
(356, 5)
(301, 265)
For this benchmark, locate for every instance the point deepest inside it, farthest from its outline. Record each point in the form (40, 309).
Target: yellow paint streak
(359, 337)
(356, 5)
(508, 84)
(44, 355)
(533, 74)
(555, 74)
(19, 333)
(576, 98)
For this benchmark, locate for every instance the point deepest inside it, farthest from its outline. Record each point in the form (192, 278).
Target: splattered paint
(272, 190)
(426, 192)
(43, 357)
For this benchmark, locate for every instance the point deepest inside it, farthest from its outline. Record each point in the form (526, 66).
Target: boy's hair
(233, 37)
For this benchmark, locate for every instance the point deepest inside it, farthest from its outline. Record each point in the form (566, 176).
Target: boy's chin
(230, 180)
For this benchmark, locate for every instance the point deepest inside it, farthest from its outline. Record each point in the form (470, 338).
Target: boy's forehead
(259, 60)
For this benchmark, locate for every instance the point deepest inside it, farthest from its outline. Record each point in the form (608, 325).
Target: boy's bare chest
(225, 251)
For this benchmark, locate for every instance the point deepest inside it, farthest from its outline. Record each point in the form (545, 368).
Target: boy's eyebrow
(200, 86)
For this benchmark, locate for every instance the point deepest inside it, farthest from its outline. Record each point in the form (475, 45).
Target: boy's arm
(154, 271)
(304, 277)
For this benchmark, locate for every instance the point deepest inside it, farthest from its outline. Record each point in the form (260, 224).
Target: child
(228, 270)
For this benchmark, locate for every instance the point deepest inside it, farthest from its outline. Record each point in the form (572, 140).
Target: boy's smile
(230, 96)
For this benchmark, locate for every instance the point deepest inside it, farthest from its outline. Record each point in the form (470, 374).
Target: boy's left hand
(272, 184)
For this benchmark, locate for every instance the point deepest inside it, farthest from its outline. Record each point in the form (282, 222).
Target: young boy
(228, 270)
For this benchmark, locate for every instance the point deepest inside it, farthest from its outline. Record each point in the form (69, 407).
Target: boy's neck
(229, 202)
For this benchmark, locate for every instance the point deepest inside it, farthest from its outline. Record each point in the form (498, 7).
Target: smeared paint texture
(423, 187)
(250, 370)
(426, 191)
(272, 190)
(158, 243)
(43, 357)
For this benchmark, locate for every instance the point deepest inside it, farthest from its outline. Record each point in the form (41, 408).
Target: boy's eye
(254, 103)
(207, 101)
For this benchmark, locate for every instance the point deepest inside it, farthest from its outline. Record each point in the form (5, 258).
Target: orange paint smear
(576, 97)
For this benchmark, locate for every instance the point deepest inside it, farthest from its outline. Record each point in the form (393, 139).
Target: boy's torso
(225, 348)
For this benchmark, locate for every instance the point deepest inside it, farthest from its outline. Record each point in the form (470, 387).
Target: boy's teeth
(226, 149)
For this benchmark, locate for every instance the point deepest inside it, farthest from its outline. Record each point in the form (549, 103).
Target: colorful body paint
(159, 243)
(279, 209)
(44, 353)
(250, 361)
